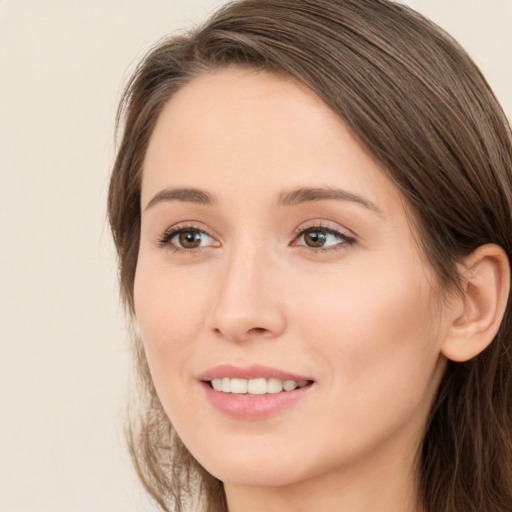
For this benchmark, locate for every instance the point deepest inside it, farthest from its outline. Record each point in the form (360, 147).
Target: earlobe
(481, 305)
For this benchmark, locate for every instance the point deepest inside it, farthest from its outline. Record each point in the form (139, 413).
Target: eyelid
(345, 236)
(164, 240)
(321, 225)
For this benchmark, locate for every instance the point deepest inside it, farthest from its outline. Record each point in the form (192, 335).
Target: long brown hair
(419, 104)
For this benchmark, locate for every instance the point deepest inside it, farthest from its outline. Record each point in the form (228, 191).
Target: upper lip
(249, 372)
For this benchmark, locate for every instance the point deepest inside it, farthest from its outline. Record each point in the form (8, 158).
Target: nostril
(257, 330)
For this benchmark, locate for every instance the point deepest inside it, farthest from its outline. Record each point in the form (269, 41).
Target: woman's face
(275, 252)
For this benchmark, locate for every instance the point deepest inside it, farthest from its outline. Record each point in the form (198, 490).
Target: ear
(479, 309)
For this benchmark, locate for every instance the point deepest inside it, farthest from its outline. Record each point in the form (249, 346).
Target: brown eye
(315, 238)
(318, 237)
(190, 239)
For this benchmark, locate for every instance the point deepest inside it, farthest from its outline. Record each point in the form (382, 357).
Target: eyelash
(165, 240)
(345, 240)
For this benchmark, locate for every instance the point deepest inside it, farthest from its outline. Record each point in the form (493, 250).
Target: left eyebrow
(307, 195)
(188, 195)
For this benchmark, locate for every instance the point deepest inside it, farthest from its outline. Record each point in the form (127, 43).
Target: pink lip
(250, 372)
(251, 407)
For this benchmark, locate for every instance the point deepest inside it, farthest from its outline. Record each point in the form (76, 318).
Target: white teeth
(226, 385)
(289, 385)
(238, 386)
(260, 386)
(274, 386)
(257, 386)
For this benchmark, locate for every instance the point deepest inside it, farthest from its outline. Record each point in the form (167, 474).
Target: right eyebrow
(189, 195)
(308, 195)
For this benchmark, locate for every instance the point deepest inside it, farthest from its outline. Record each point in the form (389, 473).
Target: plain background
(64, 361)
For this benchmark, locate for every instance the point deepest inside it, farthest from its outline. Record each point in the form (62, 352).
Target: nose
(248, 297)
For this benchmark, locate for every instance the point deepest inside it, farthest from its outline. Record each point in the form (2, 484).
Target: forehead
(254, 132)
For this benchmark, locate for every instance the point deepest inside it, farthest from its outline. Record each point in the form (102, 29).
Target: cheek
(168, 305)
(376, 335)
(170, 316)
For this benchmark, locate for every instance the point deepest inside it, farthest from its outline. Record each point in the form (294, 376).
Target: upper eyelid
(173, 230)
(187, 225)
(321, 225)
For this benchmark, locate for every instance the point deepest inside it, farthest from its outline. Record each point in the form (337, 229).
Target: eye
(187, 238)
(321, 237)
(191, 239)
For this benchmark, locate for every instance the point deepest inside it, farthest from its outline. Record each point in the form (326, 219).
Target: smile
(255, 392)
(258, 386)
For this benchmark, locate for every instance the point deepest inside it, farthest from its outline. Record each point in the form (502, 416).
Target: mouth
(256, 387)
(254, 392)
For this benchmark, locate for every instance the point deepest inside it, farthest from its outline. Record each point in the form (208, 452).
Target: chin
(252, 465)
(261, 464)
(252, 474)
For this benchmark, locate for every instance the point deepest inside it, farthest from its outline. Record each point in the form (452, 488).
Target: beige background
(64, 360)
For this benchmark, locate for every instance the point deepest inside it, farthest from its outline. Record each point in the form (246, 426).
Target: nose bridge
(247, 302)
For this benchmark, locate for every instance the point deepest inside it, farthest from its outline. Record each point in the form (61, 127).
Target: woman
(312, 207)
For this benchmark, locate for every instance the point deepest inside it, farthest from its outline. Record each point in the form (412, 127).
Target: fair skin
(335, 290)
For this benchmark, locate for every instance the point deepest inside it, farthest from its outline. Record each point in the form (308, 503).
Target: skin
(363, 318)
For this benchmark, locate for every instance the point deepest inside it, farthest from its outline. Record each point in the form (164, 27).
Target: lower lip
(253, 407)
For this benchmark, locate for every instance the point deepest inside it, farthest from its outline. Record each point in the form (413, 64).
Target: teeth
(238, 386)
(289, 385)
(226, 385)
(257, 386)
(260, 386)
(274, 386)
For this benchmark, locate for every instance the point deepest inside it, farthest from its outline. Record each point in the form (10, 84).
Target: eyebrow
(307, 195)
(292, 198)
(187, 195)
